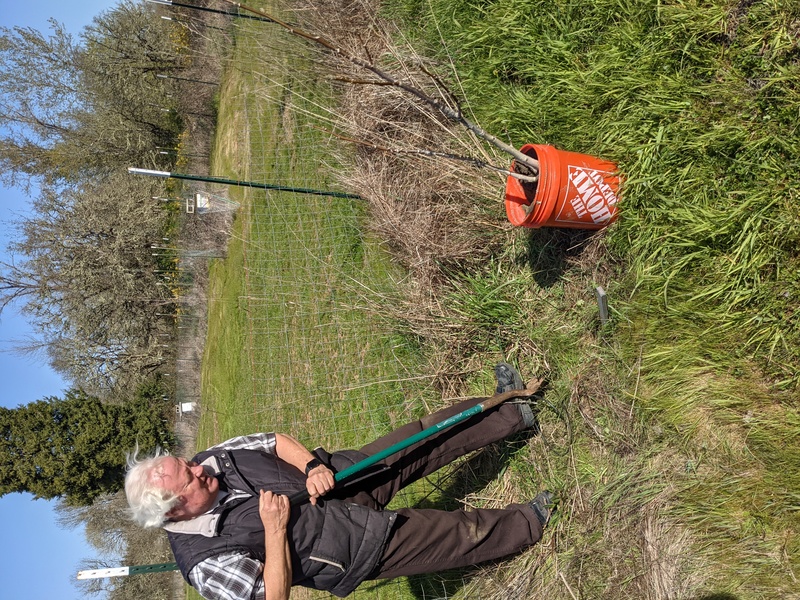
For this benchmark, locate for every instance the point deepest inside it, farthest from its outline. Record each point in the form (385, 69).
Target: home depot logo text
(593, 195)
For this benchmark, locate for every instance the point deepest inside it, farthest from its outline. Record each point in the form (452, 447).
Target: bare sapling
(526, 167)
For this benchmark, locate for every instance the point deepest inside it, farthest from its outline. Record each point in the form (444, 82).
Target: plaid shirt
(235, 576)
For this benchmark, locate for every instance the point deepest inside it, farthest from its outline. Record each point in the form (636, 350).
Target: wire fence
(326, 363)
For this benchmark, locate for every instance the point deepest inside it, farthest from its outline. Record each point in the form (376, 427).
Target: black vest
(334, 545)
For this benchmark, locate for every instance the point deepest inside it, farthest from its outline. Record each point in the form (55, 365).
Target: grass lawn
(290, 346)
(671, 433)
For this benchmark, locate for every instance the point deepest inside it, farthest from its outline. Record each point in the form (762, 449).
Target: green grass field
(291, 346)
(670, 434)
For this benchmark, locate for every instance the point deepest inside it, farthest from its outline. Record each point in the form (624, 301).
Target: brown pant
(425, 540)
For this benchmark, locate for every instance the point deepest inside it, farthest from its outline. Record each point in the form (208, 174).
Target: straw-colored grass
(698, 103)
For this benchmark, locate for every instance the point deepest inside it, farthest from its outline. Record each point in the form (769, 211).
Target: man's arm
(274, 511)
(320, 480)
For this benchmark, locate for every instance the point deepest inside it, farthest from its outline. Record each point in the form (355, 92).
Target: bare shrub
(438, 214)
(433, 210)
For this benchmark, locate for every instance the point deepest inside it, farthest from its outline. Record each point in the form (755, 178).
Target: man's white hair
(149, 504)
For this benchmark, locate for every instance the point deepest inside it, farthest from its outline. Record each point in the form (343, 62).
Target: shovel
(497, 399)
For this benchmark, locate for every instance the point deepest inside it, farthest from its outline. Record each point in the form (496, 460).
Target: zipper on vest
(339, 566)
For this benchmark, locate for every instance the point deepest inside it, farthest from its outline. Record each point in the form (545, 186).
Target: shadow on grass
(718, 596)
(549, 251)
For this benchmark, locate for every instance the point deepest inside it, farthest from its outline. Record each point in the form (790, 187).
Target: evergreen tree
(73, 447)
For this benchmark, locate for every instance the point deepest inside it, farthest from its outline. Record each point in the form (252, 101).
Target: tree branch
(387, 79)
(433, 154)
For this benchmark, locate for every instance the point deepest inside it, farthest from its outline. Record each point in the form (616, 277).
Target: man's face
(196, 490)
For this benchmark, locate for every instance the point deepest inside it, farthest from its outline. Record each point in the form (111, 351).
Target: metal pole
(602, 304)
(188, 25)
(162, 76)
(236, 182)
(125, 571)
(213, 10)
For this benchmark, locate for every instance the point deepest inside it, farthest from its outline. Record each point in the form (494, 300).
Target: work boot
(543, 505)
(508, 378)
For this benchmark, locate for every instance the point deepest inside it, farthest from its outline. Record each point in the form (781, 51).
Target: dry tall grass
(440, 217)
(437, 214)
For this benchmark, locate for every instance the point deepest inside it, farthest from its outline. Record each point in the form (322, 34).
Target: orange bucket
(574, 190)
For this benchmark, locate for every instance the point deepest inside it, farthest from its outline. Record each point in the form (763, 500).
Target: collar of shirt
(205, 524)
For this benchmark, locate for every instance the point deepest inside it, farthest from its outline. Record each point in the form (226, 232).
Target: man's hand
(320, 481)
(274, 511)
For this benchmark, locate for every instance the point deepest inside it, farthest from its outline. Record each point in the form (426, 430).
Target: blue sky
(37, 558)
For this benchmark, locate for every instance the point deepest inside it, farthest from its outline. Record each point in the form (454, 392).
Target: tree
(40, 101)
(73, 447)
(73, 115)
(71, 110)
(87, 278)
(125, 51)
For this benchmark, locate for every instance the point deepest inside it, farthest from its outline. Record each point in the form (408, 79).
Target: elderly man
(234, 534)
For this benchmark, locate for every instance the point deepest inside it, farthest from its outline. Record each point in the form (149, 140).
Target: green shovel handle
(495, 400)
